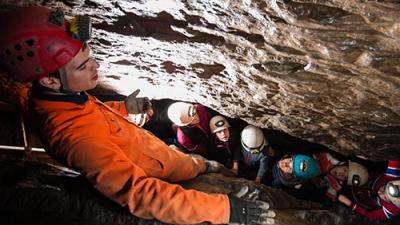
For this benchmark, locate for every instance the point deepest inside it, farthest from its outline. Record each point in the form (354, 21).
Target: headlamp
(394, 190)
(303, 166)
(80, 28)
(220, 123)
(356, 180)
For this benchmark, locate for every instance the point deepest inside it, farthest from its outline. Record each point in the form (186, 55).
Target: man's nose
(94, 62)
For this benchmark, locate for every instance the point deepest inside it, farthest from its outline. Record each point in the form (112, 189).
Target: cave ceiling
(325, 71)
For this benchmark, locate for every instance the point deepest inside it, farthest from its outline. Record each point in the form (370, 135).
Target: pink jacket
(185, 141)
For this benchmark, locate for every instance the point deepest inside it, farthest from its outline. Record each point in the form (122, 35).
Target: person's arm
(325, 160)
(334, 186)
(237, 154)
(377, 214)
(262, 169)
(235, 158)
(114, 175)
(118, 106)
(235, 168)
(185, 141)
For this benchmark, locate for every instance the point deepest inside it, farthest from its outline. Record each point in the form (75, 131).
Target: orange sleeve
(118, 106)
(117, 177)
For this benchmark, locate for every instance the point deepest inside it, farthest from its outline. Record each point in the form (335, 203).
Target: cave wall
(325, 71)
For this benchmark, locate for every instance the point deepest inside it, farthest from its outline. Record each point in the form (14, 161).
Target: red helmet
(36, 41)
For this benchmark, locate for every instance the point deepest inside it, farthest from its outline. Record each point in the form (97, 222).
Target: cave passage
(24, 174)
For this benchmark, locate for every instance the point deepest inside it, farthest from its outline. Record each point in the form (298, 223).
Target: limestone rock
(325, 71)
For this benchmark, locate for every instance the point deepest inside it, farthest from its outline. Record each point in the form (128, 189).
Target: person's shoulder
(200, 108)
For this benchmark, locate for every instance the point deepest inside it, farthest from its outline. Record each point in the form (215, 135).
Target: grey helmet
(357, 175)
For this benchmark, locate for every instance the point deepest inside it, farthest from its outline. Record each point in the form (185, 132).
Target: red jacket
(125, 162)
(326, 162)
(384, 210)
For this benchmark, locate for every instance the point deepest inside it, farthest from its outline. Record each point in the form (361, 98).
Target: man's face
(82, 71)
(223, 135)
(340, 172)
(286, 165)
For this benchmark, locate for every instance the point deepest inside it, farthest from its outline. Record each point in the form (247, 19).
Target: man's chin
(89, 88)
(93, 86)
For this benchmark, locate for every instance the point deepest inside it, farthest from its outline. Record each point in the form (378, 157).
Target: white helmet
(181, 113)
(392, 190)
(218, 123)
(357, 175)
(253, 139)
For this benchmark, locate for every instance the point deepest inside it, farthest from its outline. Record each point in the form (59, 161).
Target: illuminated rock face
(325, 71)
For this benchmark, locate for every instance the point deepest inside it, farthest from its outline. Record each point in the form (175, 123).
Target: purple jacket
(185, 141)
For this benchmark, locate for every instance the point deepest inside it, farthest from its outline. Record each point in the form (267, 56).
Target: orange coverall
(126, 163)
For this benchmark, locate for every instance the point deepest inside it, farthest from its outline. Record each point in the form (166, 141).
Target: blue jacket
(256, 160)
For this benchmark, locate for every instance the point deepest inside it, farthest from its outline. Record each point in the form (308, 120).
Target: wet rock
(324, 71)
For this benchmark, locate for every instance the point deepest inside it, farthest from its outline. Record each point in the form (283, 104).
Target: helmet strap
(64, 82)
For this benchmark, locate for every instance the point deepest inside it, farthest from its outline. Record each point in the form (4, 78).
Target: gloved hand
(216, 167)
(245, 212)
(137, 105)
(213, 166)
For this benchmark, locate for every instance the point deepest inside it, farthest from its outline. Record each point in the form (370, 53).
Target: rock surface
(325, 71)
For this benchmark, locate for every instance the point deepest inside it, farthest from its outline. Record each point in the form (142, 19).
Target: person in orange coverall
(124, 162)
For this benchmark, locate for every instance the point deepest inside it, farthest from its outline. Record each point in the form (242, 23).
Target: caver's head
(220, 127)
(392, 191)
(302, 167)
(183, 114)
(253, 139)
(39, 44)
(305, 167)
(352, 173)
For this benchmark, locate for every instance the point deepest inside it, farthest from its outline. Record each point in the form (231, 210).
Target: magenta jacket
(184, 140)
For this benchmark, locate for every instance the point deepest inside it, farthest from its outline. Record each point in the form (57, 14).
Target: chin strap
(64, 82)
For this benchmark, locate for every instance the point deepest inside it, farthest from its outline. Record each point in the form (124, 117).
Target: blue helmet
(305, 167)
